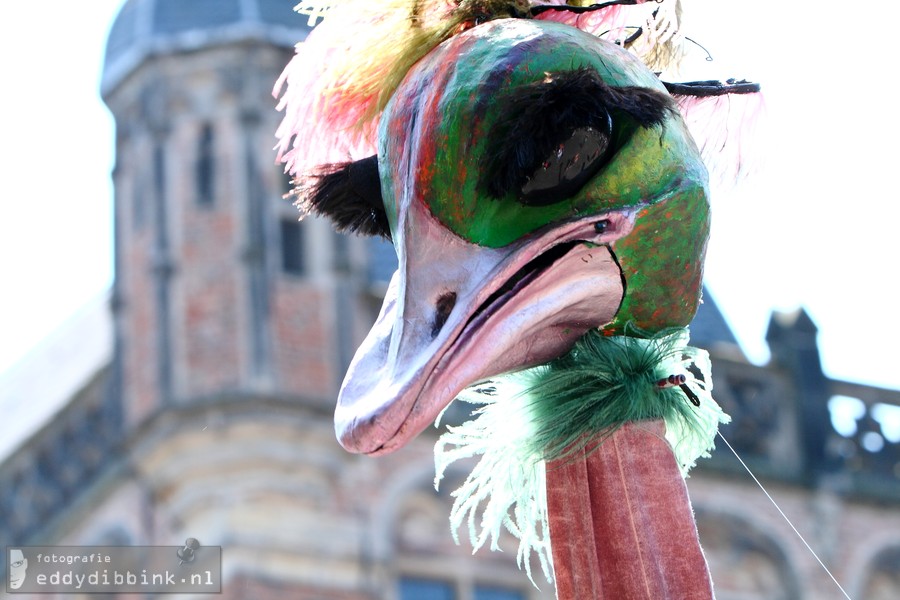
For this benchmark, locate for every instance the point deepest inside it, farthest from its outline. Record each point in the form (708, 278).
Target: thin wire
(772, 500)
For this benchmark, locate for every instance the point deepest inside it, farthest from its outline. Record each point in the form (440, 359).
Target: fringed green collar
(571, 404)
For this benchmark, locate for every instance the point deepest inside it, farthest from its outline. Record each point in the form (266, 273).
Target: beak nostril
(442, 309)
(602, 227)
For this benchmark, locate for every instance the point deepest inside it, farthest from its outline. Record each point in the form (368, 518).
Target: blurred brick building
(196, 401)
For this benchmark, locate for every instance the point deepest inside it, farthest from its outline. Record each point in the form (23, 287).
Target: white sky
(57, 143)
(818, 228)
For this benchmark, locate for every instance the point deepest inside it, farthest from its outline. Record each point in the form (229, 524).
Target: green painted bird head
(537, 183)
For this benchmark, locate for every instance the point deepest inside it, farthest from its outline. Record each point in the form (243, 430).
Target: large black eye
(573, 163)
(558, 133)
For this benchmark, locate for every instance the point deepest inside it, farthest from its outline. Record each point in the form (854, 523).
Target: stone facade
(234, 324)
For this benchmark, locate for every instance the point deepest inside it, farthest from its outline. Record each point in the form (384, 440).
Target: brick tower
(219, 290)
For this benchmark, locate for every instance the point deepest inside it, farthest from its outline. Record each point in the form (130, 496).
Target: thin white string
(772, 500)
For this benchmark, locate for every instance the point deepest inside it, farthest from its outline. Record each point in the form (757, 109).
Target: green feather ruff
(584, 396)
(572, 403)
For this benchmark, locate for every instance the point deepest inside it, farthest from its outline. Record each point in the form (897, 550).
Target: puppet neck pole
(621, 523)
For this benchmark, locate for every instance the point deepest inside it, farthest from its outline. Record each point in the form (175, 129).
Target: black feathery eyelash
(567, 114)
(711, 87)
(349, 194)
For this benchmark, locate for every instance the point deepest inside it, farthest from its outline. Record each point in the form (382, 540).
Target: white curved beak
(457, 313)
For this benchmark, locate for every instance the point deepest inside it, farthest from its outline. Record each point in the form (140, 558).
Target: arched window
(293, 256)
(744, 562)
(205, 169)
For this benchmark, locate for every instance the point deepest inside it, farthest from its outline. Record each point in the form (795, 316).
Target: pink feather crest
(728, 131)
(333, 90)
(321, 124)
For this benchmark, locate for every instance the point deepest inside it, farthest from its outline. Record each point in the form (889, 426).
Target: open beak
(456, 313)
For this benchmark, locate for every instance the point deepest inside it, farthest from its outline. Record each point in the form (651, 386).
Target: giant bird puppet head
(538, 183)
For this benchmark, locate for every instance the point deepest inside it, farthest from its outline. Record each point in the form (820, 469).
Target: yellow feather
(377, 42)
